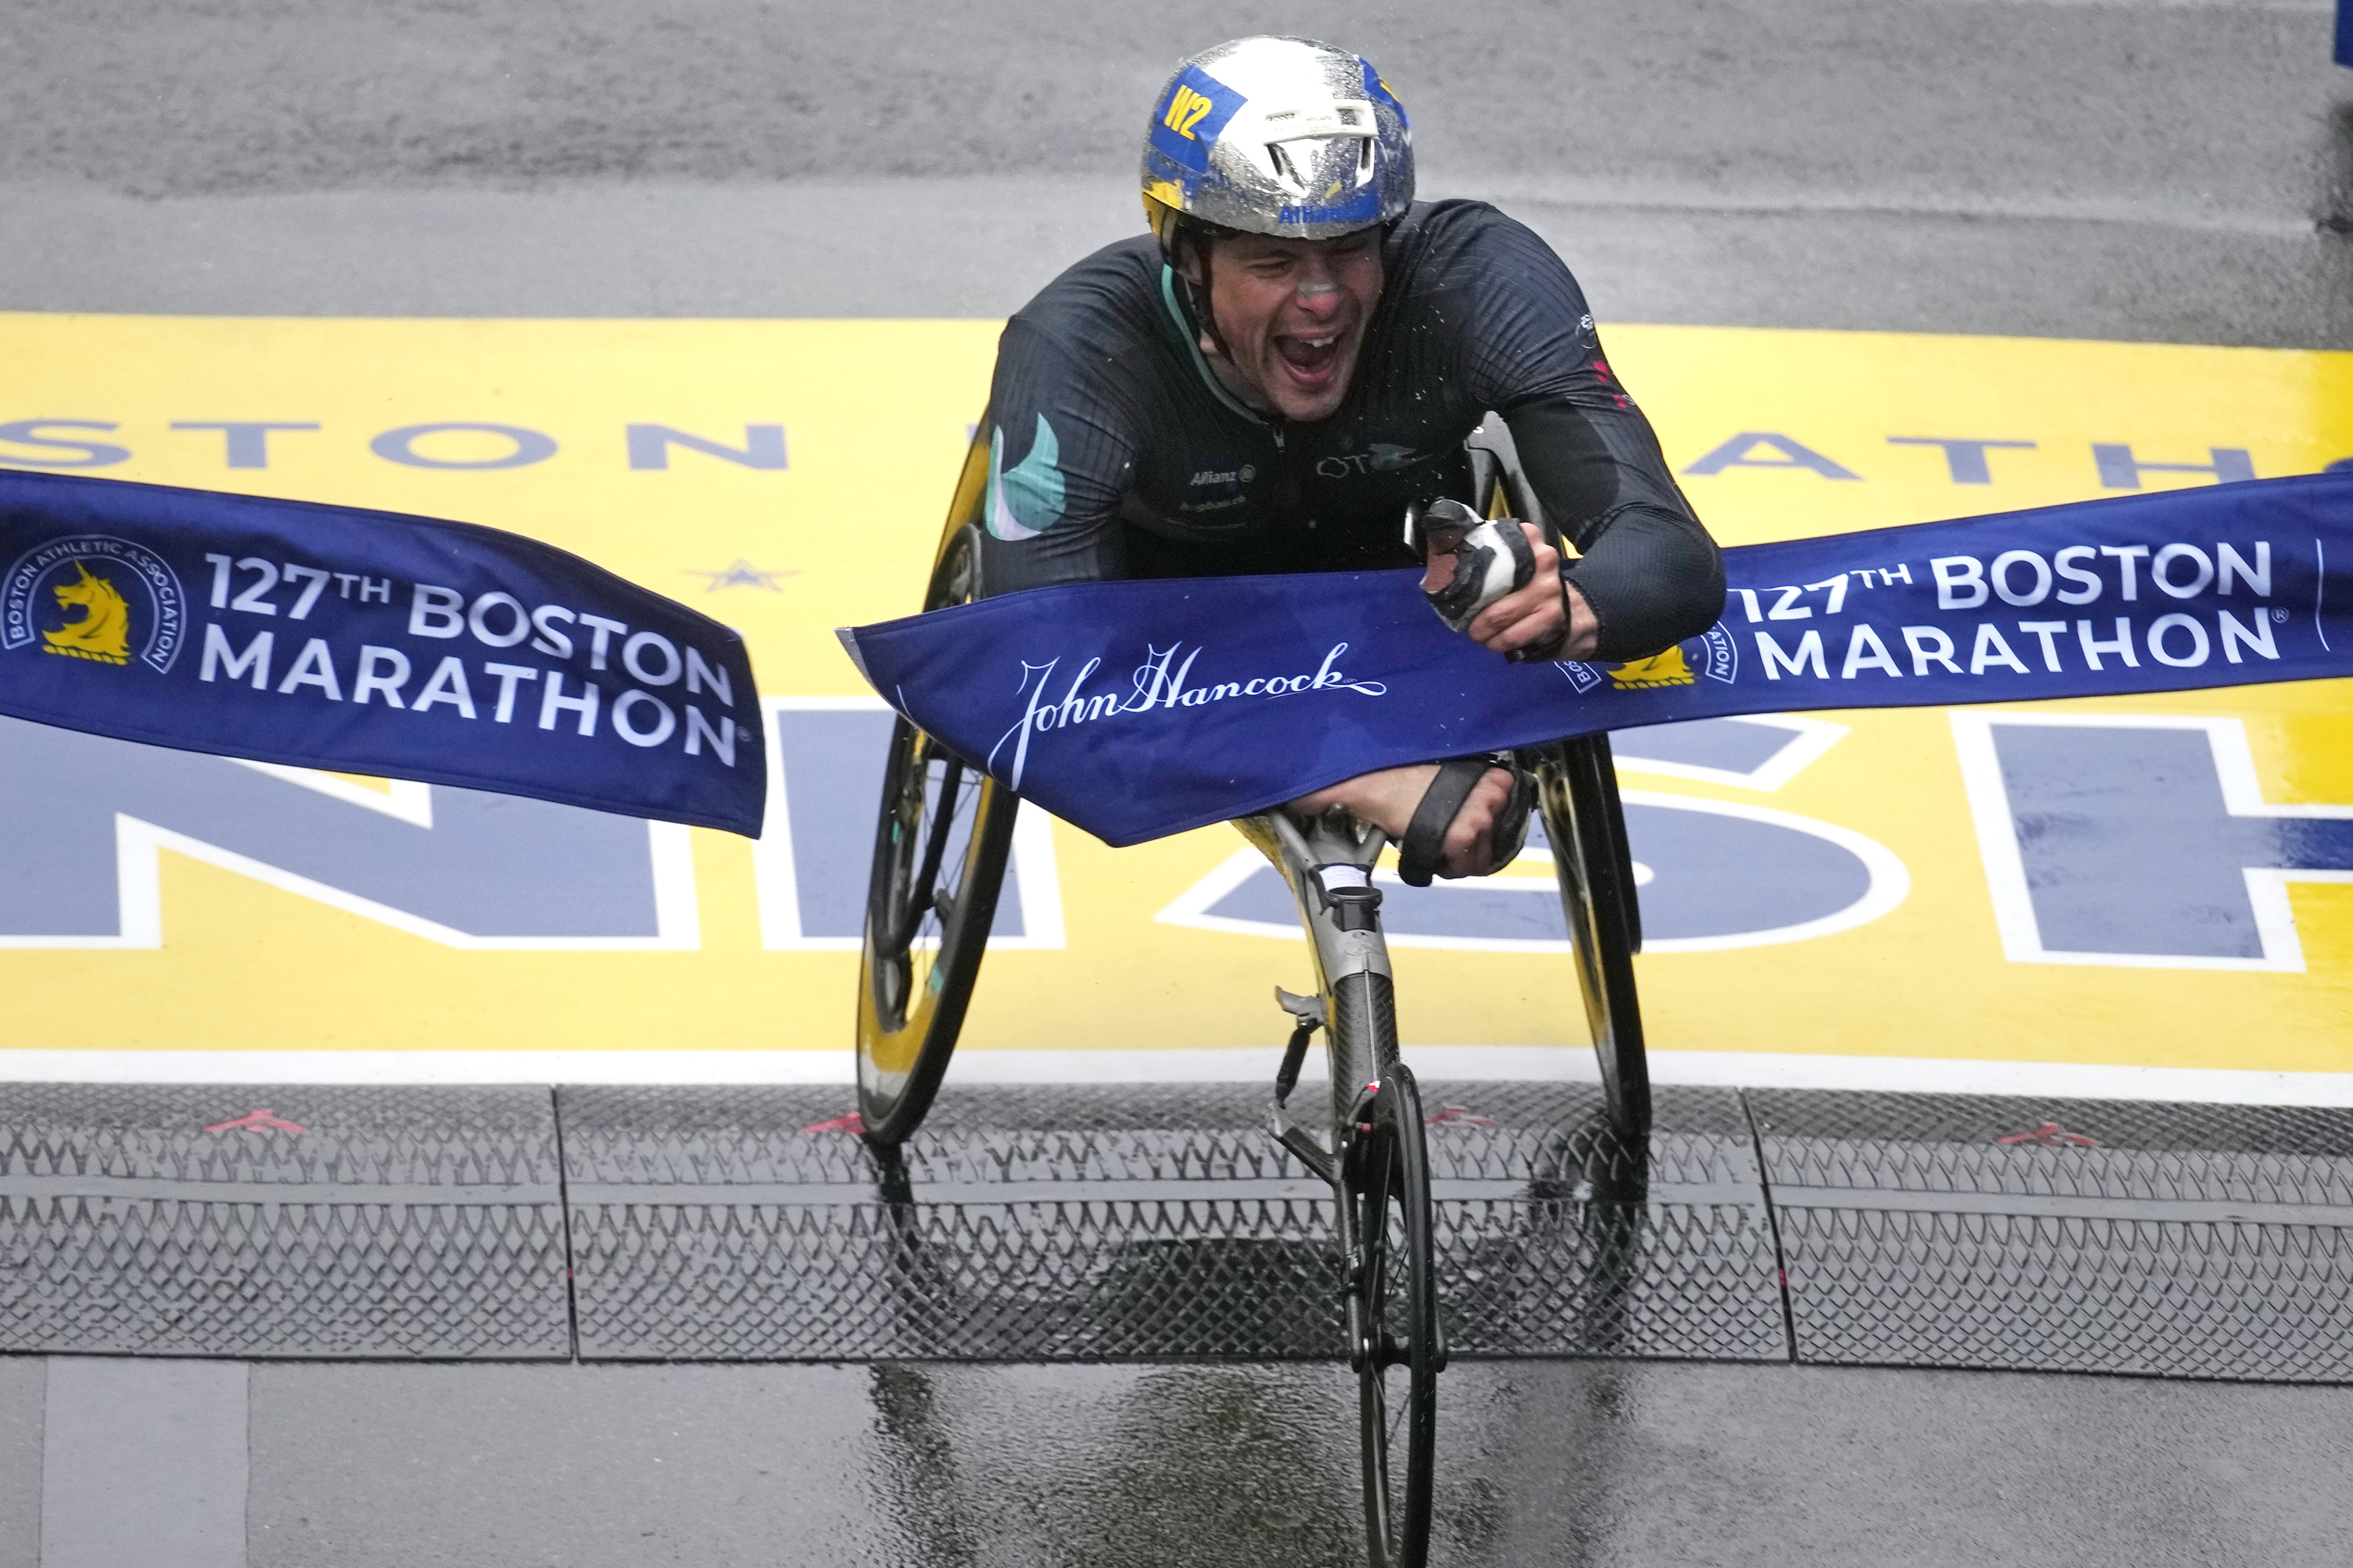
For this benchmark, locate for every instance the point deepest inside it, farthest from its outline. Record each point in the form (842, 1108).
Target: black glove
(1425, 837)
(1491, 558)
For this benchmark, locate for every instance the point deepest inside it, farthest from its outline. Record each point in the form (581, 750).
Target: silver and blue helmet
(1278, 136)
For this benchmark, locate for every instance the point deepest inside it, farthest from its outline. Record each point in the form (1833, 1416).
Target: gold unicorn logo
(1666, 669)
(103, 633)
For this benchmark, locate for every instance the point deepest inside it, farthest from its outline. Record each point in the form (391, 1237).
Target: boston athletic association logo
(1712, 654)
(103, 633)
(97, 598)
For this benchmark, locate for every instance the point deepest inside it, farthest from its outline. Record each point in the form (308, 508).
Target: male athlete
(1290, 360)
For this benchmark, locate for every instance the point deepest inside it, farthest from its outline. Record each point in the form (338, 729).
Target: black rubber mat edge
(2000, 1232)
(311, 1222)
(1154, 1222)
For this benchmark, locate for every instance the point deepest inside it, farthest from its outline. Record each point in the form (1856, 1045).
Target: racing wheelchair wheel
(1393, 1323)
(1576, 789)
(939, 849)
(1577, 785)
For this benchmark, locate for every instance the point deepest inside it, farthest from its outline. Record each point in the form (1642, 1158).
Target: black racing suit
(1114, 452)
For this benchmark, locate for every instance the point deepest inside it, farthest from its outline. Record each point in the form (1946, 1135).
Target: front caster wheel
(1394, 1331)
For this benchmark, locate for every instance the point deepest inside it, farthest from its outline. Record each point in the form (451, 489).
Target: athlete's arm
(1648, 560)
(1061, 446)
(1649, 573)
(1388, 798)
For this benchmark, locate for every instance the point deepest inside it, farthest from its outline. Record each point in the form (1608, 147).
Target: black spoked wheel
(1393, 1317)
(939, 849)
(1578, 788)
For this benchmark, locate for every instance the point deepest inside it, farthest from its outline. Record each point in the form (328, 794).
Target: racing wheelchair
(941, 845)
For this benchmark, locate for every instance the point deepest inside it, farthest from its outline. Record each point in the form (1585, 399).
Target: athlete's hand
(1389, 798)
(1534, 617)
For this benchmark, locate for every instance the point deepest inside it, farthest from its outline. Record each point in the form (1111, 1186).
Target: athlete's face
(1293, 313)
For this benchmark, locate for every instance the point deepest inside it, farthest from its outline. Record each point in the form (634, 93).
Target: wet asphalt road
(2141, 170)
(1075, 1466)
(2138, 171)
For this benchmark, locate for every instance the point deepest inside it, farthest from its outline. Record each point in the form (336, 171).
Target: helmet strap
(1196, 296)
(1208, 306)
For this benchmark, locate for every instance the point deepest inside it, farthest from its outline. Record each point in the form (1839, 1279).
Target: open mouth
(1311, 362)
